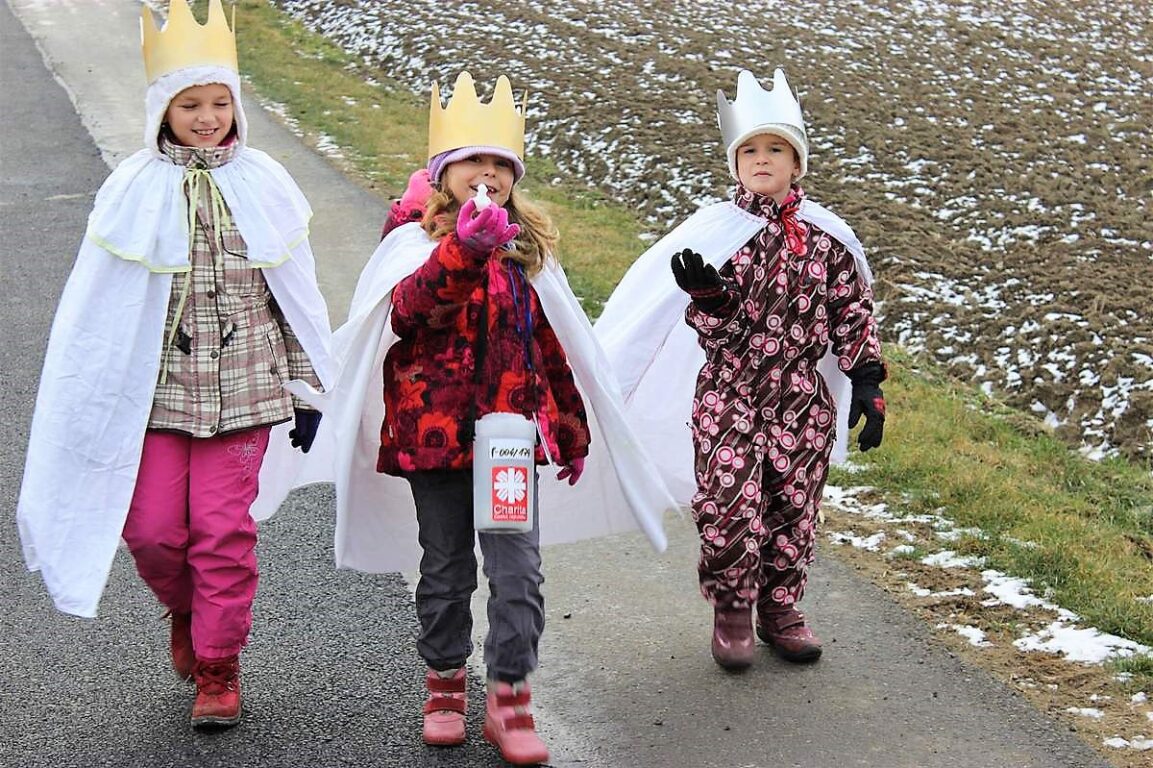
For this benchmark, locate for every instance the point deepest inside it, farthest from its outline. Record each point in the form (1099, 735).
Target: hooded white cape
(104, 351)
(656, 355)
(376, 520)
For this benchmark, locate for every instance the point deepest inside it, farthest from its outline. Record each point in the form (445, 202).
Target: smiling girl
(473, 339)
(192, 303)
(201, 116)
(463, 313)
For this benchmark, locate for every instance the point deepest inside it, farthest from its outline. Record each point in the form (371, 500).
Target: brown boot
(217, 702)
(180, 644)
(509, 725)
(445, 707)
(788, 633)
(733, 643)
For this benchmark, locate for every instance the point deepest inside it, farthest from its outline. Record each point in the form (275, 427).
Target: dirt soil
(994, 159)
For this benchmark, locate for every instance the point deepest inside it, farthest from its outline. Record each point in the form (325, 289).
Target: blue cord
(524, 330)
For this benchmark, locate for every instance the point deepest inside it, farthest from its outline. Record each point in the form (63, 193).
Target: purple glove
(485, 232)
(573, 470)
(304, 432)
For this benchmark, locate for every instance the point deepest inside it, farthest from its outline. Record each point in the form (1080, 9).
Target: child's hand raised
(484, 231)
(699, 280)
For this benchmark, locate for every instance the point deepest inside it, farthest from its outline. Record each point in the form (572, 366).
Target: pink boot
(508, 724)
(787, 631)
(180, 644)
(444, 710)
(733, 643)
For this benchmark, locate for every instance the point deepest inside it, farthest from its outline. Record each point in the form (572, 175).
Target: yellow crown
(183, 42)
(466, 122)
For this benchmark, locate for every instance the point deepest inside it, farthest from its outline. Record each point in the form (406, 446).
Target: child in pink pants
(192, 303)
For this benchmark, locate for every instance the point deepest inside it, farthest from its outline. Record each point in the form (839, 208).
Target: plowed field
(994, 159)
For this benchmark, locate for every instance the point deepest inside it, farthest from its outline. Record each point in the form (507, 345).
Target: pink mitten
(418, 192)
(486, 231)
(411, 205)
(573, 470)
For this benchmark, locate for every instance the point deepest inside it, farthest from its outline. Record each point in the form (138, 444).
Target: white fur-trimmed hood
(166, 87)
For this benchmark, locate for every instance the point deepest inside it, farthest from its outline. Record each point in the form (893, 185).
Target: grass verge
(1082, 532)
(381, 130)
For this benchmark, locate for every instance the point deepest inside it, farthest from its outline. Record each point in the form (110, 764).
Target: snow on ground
(1062, 636)
(994, 158)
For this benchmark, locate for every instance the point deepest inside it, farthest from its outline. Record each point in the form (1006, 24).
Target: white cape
(104, 353)
(376, 519)
(656, 355)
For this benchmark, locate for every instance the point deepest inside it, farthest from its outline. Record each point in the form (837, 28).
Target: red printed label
(509, 494)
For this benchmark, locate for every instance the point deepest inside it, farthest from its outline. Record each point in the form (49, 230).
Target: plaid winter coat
(230, 351)
(431, 389)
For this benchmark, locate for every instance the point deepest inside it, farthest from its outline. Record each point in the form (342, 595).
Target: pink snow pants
(191, 535)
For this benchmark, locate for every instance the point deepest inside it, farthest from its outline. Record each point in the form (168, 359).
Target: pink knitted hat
(439, 162)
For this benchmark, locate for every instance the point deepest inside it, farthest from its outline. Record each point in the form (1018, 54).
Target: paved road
(331, 674)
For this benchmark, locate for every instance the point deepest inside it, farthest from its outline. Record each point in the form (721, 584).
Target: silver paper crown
(756, 110)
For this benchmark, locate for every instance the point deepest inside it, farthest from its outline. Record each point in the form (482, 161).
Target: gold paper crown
(183, 42)
(466, 122)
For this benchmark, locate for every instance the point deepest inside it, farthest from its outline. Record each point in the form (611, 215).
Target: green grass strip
(1080, 531)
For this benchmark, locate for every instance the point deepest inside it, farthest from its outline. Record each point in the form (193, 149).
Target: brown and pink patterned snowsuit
(763, 420)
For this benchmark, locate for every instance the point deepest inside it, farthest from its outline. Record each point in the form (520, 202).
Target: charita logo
(509, 494)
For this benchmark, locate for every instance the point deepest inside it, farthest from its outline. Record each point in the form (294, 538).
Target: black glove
(307, 422)
(699, 280)
(868, 400)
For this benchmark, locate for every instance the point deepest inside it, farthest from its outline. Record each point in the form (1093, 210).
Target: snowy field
(994, 159)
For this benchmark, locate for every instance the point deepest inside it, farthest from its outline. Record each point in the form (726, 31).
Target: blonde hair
(535, 243)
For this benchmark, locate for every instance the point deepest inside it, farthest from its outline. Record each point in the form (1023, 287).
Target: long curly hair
(535, 243)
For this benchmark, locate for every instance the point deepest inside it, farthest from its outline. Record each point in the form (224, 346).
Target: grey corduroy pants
(448, 578)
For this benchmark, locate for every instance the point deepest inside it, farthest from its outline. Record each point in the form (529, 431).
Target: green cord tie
(194, 181)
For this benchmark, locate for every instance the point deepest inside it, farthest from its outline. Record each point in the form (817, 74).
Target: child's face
(766, 164)
(461, 178)
(201, 116)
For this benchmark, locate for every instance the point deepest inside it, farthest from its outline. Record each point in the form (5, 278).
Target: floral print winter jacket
(430, 382)
(792, 291)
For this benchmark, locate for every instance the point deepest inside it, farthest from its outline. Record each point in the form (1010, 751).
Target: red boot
(733, 643)
(217, 702)
(508, 724)
(444, 710)
(786, 630)
(180, 644)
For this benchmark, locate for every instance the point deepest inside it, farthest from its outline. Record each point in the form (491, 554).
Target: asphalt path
(330, 674)
(331, 677)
